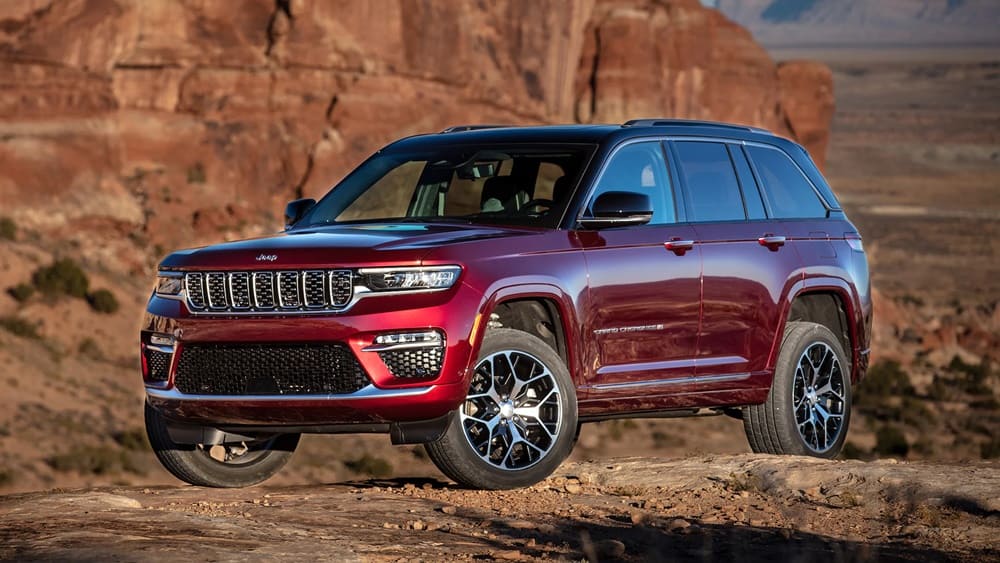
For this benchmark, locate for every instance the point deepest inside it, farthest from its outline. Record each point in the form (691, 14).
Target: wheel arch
(516, 306)
(828, 302)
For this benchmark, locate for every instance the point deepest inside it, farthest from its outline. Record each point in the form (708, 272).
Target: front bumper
(386, 399)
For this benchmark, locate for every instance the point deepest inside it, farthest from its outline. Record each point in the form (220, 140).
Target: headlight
(409, 279)
(169, 284)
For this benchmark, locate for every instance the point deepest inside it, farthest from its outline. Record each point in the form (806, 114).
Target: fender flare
(564, 305)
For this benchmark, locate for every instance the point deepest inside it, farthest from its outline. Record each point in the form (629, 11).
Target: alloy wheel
(512, 414)
(818, 397)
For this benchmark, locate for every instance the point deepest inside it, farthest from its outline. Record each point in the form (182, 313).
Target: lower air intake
(414, 363)
(268, 369)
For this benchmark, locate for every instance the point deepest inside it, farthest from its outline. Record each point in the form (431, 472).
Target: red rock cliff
(167, 119)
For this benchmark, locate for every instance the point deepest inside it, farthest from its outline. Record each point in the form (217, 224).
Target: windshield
(495, 184)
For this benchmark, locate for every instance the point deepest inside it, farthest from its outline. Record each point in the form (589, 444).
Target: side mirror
(296, 209)
(619, 209)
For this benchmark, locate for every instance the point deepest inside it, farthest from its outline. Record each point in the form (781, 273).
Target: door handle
(678, 246)
(772, 242)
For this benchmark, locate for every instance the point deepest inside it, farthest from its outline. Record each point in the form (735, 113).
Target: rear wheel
(238, 464)
(808, 409)
(519, 420)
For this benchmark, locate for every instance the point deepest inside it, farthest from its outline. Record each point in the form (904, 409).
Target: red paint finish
(649, 323)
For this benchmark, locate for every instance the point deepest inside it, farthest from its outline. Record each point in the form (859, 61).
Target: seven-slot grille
(268, 369)
(282, 291)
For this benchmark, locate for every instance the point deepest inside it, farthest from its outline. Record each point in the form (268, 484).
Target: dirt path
(750, 508)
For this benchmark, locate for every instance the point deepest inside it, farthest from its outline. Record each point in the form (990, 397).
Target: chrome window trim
(366, 392)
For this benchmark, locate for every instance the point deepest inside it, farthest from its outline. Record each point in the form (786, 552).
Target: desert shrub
(62, 277)
(990, 449)
(96, 460)
(987, 404)
(890, 441)
(88, 348)
(939, 390)
(914, 411)
(103, 301)
(907, 299)
(6, 477)
(885, 378)
(974, 376)
(8, 229)
(133, 439)
(20, 327)
(370, 465)
(196, 173)
(21, 292)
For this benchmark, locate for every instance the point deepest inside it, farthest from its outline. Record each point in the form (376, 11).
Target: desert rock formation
(170, 121)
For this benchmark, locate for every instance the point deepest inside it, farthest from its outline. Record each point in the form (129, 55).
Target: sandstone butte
(168, 121)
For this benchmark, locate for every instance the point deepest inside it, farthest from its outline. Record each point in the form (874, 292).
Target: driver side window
(640, 168)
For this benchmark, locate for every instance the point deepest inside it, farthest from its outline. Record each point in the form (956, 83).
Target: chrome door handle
(773, 242)
(679, 247)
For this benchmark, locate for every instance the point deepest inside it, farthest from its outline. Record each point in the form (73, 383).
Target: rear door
(644, 287)
(746, 261)
(794, 204)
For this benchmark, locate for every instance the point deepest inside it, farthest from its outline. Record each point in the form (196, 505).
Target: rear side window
(787, 191)
(712, 187)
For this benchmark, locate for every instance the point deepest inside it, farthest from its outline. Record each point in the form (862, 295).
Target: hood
(336, 246)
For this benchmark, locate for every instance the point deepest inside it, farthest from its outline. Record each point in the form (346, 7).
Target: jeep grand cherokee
(485, 290)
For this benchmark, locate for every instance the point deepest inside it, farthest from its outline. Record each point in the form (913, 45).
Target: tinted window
(487, 184)
(713, 191)
(789, 194)
(640, 168)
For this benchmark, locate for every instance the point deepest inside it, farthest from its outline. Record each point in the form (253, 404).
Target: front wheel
(808, 409)
(518, 421)
(239, 464)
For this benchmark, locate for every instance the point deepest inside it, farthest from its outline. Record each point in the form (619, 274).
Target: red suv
(485, 290)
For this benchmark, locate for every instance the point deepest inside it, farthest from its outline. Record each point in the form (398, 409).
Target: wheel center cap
(812, 397)
(507, 409)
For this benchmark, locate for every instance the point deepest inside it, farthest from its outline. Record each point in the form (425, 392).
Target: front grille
(283, 291)
(413, 362)
(268, 369)
(157, 364)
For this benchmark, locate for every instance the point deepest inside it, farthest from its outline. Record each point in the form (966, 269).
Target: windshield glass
(517, 184)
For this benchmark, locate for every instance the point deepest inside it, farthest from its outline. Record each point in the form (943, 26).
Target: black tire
(507, 463)
(194, 464)
(774, 427)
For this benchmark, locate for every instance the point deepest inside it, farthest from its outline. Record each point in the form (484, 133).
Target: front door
(642, 323)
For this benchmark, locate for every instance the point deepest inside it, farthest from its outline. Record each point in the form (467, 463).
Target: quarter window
(712, 188)
(640, 168)
(788, 192)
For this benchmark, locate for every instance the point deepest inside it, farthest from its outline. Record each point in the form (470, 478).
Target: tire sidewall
(479, 472)
(192, 465)
(799, 336)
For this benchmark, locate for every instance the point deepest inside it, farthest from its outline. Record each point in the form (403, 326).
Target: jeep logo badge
(267, 257)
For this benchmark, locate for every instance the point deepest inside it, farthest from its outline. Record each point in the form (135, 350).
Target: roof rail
(460, 128)
(662, 122)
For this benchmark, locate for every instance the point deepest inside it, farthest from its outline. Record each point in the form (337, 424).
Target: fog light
(161, 340)
(429, 338)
